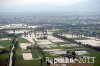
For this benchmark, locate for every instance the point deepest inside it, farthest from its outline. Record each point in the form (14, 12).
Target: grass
(35, 53)
(66, 42)
(93, 30)
(4, 56)
(97, 60)
(80, 38)
(22, 40)
(96, 54)
(47, 54)
(29, 63)
(18, 51)
(24, 63)
(6, 44)
(23, 28)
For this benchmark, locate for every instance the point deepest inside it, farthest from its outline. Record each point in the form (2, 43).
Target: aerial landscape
(49, 33)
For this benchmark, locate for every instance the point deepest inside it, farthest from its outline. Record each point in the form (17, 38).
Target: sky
(49, 5)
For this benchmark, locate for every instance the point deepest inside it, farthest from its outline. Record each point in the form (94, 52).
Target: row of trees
(80, 43)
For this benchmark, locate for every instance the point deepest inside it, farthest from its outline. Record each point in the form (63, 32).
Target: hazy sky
(49, 5)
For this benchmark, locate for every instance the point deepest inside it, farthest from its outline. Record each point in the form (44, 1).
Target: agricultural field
(21, 59)
(88, 51)
(5, 48)
(59, 47)
(31, 50)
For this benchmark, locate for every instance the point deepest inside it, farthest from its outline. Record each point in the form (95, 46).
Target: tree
(73, 55)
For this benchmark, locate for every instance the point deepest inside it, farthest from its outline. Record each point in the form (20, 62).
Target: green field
(93, 30)
(6, 44)
(80, 38)
(22, 40)
(96, 54)
(29, 63)
(4, 56)
(35, 53)
(19, 58)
